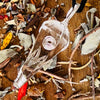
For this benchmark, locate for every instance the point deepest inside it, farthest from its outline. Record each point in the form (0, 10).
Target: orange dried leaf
(32, 1)
(88, 5)
(98, 76)
(6, 41)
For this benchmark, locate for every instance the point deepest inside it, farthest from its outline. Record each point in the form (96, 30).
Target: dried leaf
(14, 1)
(20, 17)
(6, 41)
(31, 8)
(50, 64)
(88, 4)
(4, 63)
(77, 38)
(59, 95)
(34, 92)
(41, 98)
(42, 2)
(97, 83)
(97, 21)
(11, 22)
(1, 3)
(4, 54)
(84, 80)
(32, 1)
(91, 42)
(25, 40)
(1, 36)
(33, 39)
(10, 96)
(98, 76)
(3, 93)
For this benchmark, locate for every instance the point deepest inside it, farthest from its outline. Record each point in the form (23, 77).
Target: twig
(92, 72)
(52, 75)
(57, 77)
(62, 62)
(78, 94)
(79, 68)
(88, 98)
(82, 67)
(72, 54)
(49, 74)
(77, 29)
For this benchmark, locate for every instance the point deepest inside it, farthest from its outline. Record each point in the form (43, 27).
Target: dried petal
(6, 41)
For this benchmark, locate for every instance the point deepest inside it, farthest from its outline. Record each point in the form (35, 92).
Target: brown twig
(72, 54)
(4, 63)
(78, 94)
(77, 29)
(92, 72)
(88, 98)
(57, 77)
(49, 74)
(64, 62)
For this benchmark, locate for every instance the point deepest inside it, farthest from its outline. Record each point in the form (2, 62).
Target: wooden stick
(92, 72)
(87, 98)
(78, 94)
(57, 77)
(64, 62)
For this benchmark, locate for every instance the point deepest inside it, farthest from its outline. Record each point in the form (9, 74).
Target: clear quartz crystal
(52, 39)
(53, 36)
